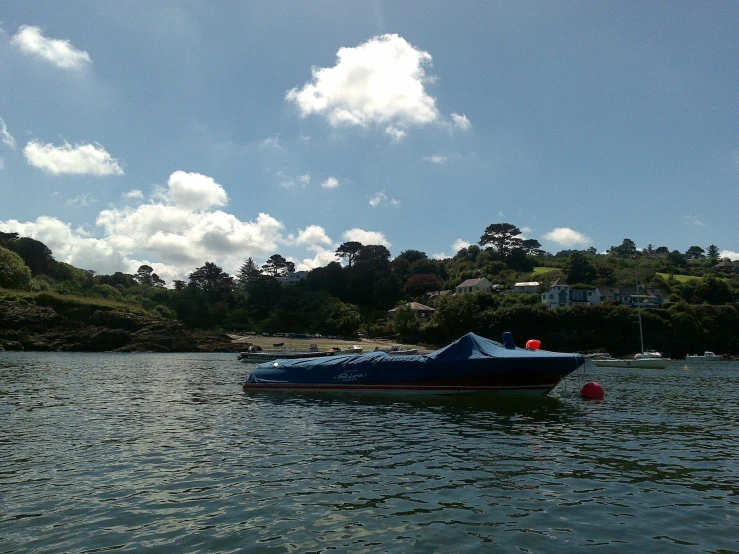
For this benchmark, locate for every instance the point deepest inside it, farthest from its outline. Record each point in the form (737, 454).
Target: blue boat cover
(470, 357)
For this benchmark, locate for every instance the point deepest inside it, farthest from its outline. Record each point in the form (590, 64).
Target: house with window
(292, 278)
(473, 285)
(562, 295)
(526, 287)
(423, 313)
(628, 296)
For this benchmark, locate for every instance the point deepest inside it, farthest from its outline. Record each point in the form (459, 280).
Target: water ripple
(164, 452)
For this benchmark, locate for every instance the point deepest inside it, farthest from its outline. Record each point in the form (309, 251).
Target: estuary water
(166, 453)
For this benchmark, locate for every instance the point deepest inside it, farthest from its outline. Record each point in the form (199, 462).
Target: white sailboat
(649, 359)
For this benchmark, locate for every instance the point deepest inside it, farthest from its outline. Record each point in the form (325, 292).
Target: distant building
(527, 287)
(726, 265)
(562, 295)
(646, 297)
(422, 312)
(473, 285)
(292, 278)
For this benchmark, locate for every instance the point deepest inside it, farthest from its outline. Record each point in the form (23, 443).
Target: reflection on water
(166, 452)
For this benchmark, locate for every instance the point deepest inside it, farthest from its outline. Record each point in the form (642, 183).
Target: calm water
(166, 453)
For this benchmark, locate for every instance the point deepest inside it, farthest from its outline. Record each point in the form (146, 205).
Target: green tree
(35, 254)
(14, 273)
(422, 283)
(532, 247)
(580, 270)
(210, 277)
(712, 252)
(277, 266)
(145, 276)
(625, 250)
(695, 253)
(502, 238)
(406, 323)
(375, 255)
(339, 318)
(349, 251)
(248, 273)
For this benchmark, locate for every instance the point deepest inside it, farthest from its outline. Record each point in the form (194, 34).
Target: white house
(527, 287)
(647, 298)
(561, 295)
(473, 285)
(422, 312)
(292, 278)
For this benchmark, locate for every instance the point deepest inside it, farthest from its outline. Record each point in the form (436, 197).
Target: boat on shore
(398, 350)
(260, 356)
(470, 365)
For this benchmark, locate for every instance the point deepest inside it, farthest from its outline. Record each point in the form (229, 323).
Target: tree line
(344, 298)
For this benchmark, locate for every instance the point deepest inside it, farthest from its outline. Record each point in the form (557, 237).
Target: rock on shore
(75, 327)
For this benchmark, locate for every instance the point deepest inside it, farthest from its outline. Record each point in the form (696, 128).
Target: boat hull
(643, 363)
(471, 365)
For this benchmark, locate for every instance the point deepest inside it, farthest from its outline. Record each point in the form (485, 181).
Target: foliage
(14, 273)
(248, 273)
(277, 266)
(210, 277)
(406, 323)
(349, 251)
(502, 238)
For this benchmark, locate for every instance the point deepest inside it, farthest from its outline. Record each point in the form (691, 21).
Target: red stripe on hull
(409, 389)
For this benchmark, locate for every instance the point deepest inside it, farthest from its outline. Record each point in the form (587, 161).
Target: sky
(171, 133)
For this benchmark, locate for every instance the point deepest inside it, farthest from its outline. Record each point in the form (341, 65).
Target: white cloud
(566, 237)
(194, 191)
(322, 258)
(461, 122)
(83, 159)
(395, 133)
(6, 137)
(380, 82)
(304, 179)
(330, 183)
(729, 254)
(456, 247)
(176, 230)
(459, 244)
(436, 159)
(526, 230)
(312, 237)
(272, 142)
(58, 52)
(288, 184)
(693, 220)
(135, 194)
(81, 201)
(377, 199)
(366, 237)
(382, 197)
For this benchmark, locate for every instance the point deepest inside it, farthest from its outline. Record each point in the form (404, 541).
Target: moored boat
(471, 365)
(398, 350)
(707, 356)
(636, 362)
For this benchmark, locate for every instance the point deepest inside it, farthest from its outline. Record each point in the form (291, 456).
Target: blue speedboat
(471, 364)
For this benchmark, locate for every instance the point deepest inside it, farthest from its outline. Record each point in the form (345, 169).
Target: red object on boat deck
(592, 391)
(533, 344)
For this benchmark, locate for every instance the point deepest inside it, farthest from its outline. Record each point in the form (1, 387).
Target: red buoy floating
(592, 391)
(533, 344)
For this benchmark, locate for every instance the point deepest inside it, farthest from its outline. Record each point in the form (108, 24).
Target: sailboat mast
(638, 306)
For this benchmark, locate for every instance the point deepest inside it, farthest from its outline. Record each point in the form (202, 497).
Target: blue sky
(175, 133)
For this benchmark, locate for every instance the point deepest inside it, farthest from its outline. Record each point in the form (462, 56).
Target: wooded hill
(344, 299)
